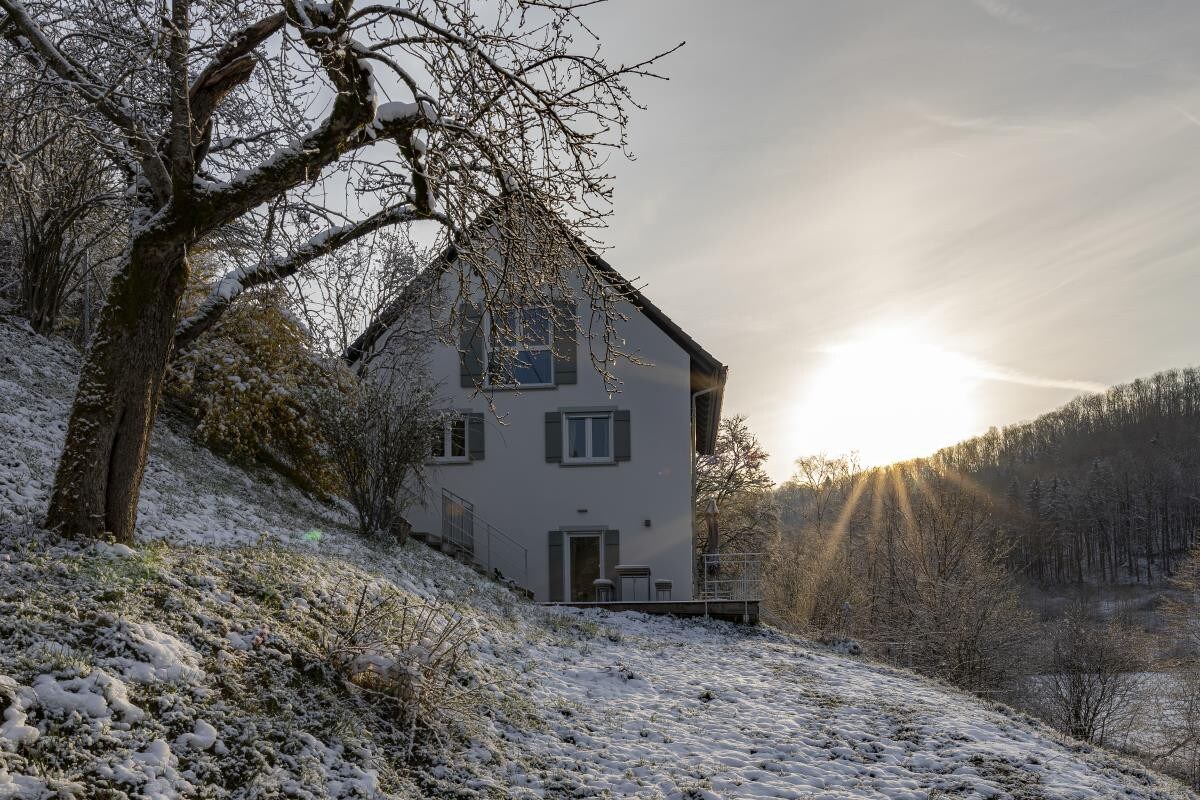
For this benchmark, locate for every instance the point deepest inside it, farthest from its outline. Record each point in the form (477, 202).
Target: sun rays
(890, 498)
(890, 393)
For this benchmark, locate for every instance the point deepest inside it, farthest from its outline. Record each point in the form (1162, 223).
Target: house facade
(573, 492)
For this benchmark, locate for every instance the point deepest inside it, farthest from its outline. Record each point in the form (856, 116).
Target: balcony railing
(492, 550)
(731, 576)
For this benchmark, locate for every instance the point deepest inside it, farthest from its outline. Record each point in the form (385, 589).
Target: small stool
(634, 580)
(662, 589)
(604, 590)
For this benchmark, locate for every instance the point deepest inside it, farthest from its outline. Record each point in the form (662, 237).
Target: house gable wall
(517, 490)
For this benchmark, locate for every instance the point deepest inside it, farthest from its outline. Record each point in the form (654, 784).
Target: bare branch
(232, 285)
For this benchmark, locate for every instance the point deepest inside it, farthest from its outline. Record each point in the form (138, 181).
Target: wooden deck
(744, 611)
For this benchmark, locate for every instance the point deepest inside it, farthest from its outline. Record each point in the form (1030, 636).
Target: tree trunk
(43, 284)
(108, 437)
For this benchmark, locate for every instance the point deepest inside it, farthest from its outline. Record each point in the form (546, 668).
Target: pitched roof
(707, 373)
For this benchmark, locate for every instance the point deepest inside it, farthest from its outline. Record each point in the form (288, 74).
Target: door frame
(580, 533)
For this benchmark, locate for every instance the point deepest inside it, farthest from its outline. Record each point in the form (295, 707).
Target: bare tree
(198, 104)
(1093, 676)
(62, 208)
(735, 478)
(377, 437)
(340, 295)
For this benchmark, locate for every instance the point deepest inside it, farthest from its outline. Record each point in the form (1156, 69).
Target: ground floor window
(449, 441)
(589, 438)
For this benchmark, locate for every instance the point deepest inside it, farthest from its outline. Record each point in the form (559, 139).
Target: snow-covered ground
(200, 668)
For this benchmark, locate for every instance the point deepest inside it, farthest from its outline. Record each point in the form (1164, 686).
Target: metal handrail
(731, 576)
(497, 553)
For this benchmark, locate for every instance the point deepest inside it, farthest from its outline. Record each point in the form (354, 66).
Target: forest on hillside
(996, 564)
(1105, 488)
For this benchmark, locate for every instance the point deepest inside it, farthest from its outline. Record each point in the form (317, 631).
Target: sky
(902, 223)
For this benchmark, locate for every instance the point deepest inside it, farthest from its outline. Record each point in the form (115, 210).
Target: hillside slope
(207, 668)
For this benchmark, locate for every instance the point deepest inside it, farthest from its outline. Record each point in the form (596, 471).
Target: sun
(890, 393)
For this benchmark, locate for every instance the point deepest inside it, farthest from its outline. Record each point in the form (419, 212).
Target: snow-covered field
(199, 668)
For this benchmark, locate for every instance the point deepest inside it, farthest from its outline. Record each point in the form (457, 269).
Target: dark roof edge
(702, 361)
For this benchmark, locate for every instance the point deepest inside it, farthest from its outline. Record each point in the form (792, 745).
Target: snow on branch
(30, 37)
(233, 284)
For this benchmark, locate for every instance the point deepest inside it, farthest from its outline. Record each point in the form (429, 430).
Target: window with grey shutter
(566, 347)
(556, 567)
(470, 345)
(554, 436)
(475, 434)
(622, 445)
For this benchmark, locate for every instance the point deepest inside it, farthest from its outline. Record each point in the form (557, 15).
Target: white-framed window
(521, 350)
(449, 440)
(588, 438)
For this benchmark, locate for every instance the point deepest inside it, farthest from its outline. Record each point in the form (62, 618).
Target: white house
(564, 485)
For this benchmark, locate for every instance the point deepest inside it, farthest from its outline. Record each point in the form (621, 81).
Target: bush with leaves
(247, 381)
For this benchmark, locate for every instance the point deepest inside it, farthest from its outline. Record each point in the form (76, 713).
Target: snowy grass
(198, 665)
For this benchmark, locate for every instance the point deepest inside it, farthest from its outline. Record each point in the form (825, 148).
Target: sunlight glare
(890, 394)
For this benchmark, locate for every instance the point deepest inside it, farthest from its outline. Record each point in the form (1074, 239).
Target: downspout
(692, 466)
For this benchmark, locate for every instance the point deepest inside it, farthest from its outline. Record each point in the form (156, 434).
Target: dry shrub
(407, 655)
(375, 439)
(247, 380)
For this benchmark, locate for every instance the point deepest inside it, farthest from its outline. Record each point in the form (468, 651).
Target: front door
(583, 567)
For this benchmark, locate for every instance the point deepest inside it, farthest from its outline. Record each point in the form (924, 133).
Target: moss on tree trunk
(108, 436)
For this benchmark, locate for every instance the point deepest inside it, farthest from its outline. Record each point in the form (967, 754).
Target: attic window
(521, 348)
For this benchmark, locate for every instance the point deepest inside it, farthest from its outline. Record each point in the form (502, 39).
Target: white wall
(515, 489)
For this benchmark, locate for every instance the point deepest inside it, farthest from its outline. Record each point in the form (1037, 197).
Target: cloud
(1189, 117)
(1003, 125)
(1011, 14)
(904, 343)
(993, 372)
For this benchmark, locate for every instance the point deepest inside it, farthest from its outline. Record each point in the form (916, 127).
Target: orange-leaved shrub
(246, 381)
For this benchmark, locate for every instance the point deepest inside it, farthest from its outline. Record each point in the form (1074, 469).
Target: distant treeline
(1106, 487)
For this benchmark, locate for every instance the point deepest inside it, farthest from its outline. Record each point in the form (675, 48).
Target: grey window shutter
(621, 436)
(475, 434)
(556, 567)
(612, 557)
(470, 345)
(566, 348)
(554, 436)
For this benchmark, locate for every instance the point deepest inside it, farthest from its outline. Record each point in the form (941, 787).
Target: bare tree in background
(62, 209)
(205, 108)
(1093, 677)
(735, 477)
(340, 295)
(810, 565)
(1176, 745)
